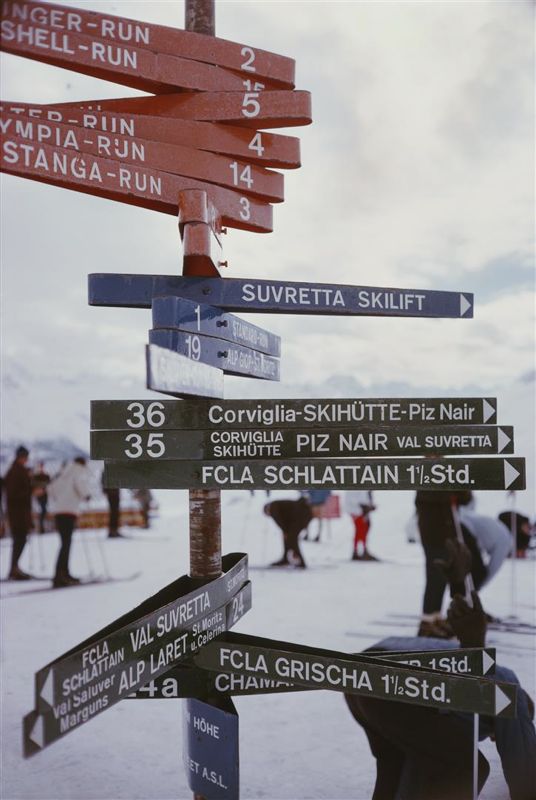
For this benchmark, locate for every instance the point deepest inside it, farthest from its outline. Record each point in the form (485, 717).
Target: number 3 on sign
(246, 211)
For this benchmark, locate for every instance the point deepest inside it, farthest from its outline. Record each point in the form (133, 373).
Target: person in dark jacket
(18, 489)
(427, 754)
(436, 521)
(292, 516)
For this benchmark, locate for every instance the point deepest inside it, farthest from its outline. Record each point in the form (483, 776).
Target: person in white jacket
(66, 493)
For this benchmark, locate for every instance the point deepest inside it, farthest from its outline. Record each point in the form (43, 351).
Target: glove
(469, 624)
(457, 564)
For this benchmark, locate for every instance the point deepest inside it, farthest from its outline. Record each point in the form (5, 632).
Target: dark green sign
(137, 647)
(380, 440)
(183, 681)
(351, 473)
(262, 414)
(370, 677)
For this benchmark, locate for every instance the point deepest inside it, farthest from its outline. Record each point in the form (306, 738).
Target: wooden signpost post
(197, 148)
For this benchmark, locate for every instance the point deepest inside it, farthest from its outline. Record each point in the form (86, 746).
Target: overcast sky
(417, 172)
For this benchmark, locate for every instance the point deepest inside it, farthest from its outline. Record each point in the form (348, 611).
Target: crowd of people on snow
(29, 498)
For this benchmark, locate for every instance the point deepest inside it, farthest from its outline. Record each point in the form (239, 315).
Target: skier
(66, 493)
(18, 489)
(292, 516)
(359, 505)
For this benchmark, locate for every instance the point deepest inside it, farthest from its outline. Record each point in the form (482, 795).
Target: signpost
(153, 38)
(249, 179)
(136, 185)
(301, 442)
(185, 315)
(291, 413)
(232, 359)
(257, 147)
(210, 748)
(283, 297)
(143, 643)
(250, 108)
(326, 669)
(186, 681)
(172, 373)
(350, 473)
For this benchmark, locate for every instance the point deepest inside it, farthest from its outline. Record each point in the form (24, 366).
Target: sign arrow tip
(502, 700)
(465, 305)
(47, 689)
(37, 734)
(488, 410)
(503, 440)
(510, 474)
(487, 662)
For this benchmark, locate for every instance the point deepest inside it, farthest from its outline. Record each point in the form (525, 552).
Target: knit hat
(21, 451)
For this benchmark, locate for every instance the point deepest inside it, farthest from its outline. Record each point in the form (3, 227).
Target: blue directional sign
(171, 373)
(187, 315)
(210, 748)
(231, 358)
(283, 297)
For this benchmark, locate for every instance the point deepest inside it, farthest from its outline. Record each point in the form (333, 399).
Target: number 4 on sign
(256, 144)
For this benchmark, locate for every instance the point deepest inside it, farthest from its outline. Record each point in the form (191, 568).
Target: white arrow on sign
(503, 440)
(488, 410)
(47, 690)
(502, 700)
(37, 734)
(510, 474)
(487, 662)
(465, 305)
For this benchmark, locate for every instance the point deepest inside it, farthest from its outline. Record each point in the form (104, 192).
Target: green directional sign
(137, 647)
(370, 677)
(260, 414)
(185, 681)
(380, 440)
(454, 474)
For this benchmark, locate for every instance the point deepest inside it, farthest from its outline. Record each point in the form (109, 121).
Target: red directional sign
(258, 147)
(251, 61)
(149, 188)
(248, 179)
(114, 60)
(251, 108)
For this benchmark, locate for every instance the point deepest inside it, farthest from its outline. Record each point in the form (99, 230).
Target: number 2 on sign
(249, 55)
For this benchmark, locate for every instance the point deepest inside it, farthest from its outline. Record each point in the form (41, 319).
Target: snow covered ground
(293, 746)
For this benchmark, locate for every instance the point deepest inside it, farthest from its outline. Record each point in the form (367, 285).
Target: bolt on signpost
(171, 152)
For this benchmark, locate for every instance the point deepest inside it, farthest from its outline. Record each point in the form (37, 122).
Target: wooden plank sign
(351, 473)
(370, 677)
(185, 315)
(280, 297)
(124, 445)
(172, 373)
(188, 162)
(101, 670)
(290, 413)
(252, 108)
(257, 147)
(156, 39)
(232, 359)
(136, 185)
(211, 748)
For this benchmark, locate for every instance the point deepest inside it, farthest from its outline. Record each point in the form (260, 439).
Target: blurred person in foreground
(18, 490)
(427, 754)
(292, 516)
(66, 493)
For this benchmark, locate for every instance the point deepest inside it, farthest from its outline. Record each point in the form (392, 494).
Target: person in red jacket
(18, 489)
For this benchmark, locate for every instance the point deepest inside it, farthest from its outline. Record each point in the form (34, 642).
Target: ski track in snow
(292, 746)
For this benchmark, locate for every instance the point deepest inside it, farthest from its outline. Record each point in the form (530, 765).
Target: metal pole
(204, 505)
